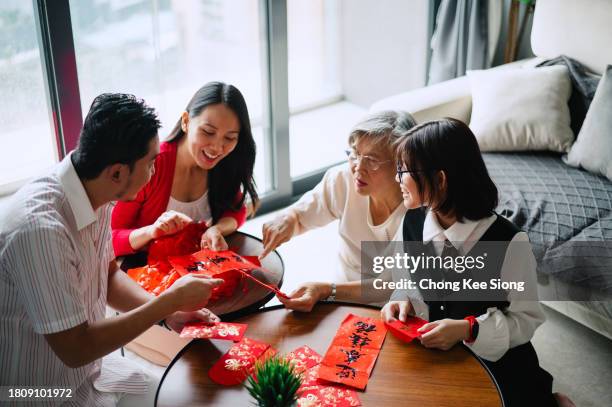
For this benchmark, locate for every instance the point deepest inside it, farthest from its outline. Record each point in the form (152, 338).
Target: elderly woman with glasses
(363, 196)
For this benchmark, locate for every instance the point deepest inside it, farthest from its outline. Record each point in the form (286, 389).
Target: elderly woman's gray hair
(382, 129)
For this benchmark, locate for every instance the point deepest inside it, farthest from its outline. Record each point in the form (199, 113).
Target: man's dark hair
(117, 130)
(449, 145)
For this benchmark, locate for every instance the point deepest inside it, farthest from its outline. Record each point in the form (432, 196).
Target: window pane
(24, 114)
(163, 51)
(320, 117)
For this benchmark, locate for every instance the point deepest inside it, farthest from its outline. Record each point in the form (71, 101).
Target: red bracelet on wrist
(472, 321)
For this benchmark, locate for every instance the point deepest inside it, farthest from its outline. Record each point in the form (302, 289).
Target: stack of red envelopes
(313, 393)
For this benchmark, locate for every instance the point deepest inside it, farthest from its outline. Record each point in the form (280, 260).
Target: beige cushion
(593, 150)
(521, 109)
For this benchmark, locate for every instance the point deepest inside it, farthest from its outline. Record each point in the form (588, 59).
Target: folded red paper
(406, 331)
(234, 366)
(351, 356)
(218, 330)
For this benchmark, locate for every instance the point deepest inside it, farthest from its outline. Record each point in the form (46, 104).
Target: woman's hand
(445, 333)
(394, 310)
(213, 239)
(168, 223)
(277, 232)
(306, 296)
(178, 320)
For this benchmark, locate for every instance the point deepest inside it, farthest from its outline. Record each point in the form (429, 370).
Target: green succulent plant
(274, 383)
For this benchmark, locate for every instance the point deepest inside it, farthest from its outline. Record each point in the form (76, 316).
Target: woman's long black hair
(234, 173)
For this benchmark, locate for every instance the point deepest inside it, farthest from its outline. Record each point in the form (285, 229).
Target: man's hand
(192, 291)
(213, 239)
(178, 320)
(306, 296)
(445, 333)
(168, 223)
(396, 310)
(277, 232)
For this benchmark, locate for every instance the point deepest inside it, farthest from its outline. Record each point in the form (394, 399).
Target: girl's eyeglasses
(367, 162)
(401, 172)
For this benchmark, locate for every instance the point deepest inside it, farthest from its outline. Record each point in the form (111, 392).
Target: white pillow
(593, 149)
(521, 109)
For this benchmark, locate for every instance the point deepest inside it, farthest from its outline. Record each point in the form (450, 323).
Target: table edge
(275, 307)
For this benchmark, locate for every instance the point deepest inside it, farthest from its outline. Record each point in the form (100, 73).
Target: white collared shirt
(498, 330)
(55, 252)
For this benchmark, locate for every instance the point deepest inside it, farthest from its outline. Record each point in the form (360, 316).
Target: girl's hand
(306, 296)
(445, 333)
(168, 223)
(213, 239)
(395, 310)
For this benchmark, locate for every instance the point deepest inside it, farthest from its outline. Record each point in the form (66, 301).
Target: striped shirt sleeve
(44, 269)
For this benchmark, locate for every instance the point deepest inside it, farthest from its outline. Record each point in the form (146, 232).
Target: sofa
(547, 198)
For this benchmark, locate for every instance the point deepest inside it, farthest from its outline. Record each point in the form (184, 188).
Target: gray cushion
(593, 149)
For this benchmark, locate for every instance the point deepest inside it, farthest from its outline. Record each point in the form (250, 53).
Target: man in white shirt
(58, 273)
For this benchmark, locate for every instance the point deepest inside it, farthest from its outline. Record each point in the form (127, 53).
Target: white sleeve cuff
(493, 338)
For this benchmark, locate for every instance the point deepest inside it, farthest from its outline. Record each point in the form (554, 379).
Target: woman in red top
(203, 173)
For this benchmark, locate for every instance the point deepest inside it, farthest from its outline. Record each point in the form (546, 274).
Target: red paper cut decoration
(351, 356)
(218, 330)
(406, 331)
(234, 367)
(171, 257)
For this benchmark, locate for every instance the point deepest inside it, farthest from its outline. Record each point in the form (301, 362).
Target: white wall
(384, 45)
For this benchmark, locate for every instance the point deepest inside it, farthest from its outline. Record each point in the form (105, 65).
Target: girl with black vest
(450, 199)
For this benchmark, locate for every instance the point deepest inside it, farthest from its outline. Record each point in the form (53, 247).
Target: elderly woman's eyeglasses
(367, 162)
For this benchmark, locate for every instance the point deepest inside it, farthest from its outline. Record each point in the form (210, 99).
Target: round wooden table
(404, 374)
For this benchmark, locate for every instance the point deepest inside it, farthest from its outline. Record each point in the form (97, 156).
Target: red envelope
(303, 358)
(313, 393)
(234, 367)
(406, 331)
(220, 330)
(351, 356)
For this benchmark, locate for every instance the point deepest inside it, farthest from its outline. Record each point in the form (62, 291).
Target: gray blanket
(584, 85)
(566, 212)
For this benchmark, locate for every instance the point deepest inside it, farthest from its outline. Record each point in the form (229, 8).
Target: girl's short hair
(382, 129)
(449, 145)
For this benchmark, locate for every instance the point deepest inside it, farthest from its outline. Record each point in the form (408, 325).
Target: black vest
(501, 230)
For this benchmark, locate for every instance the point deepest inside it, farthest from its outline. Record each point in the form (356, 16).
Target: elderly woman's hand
(277, 232)
(306, 296)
